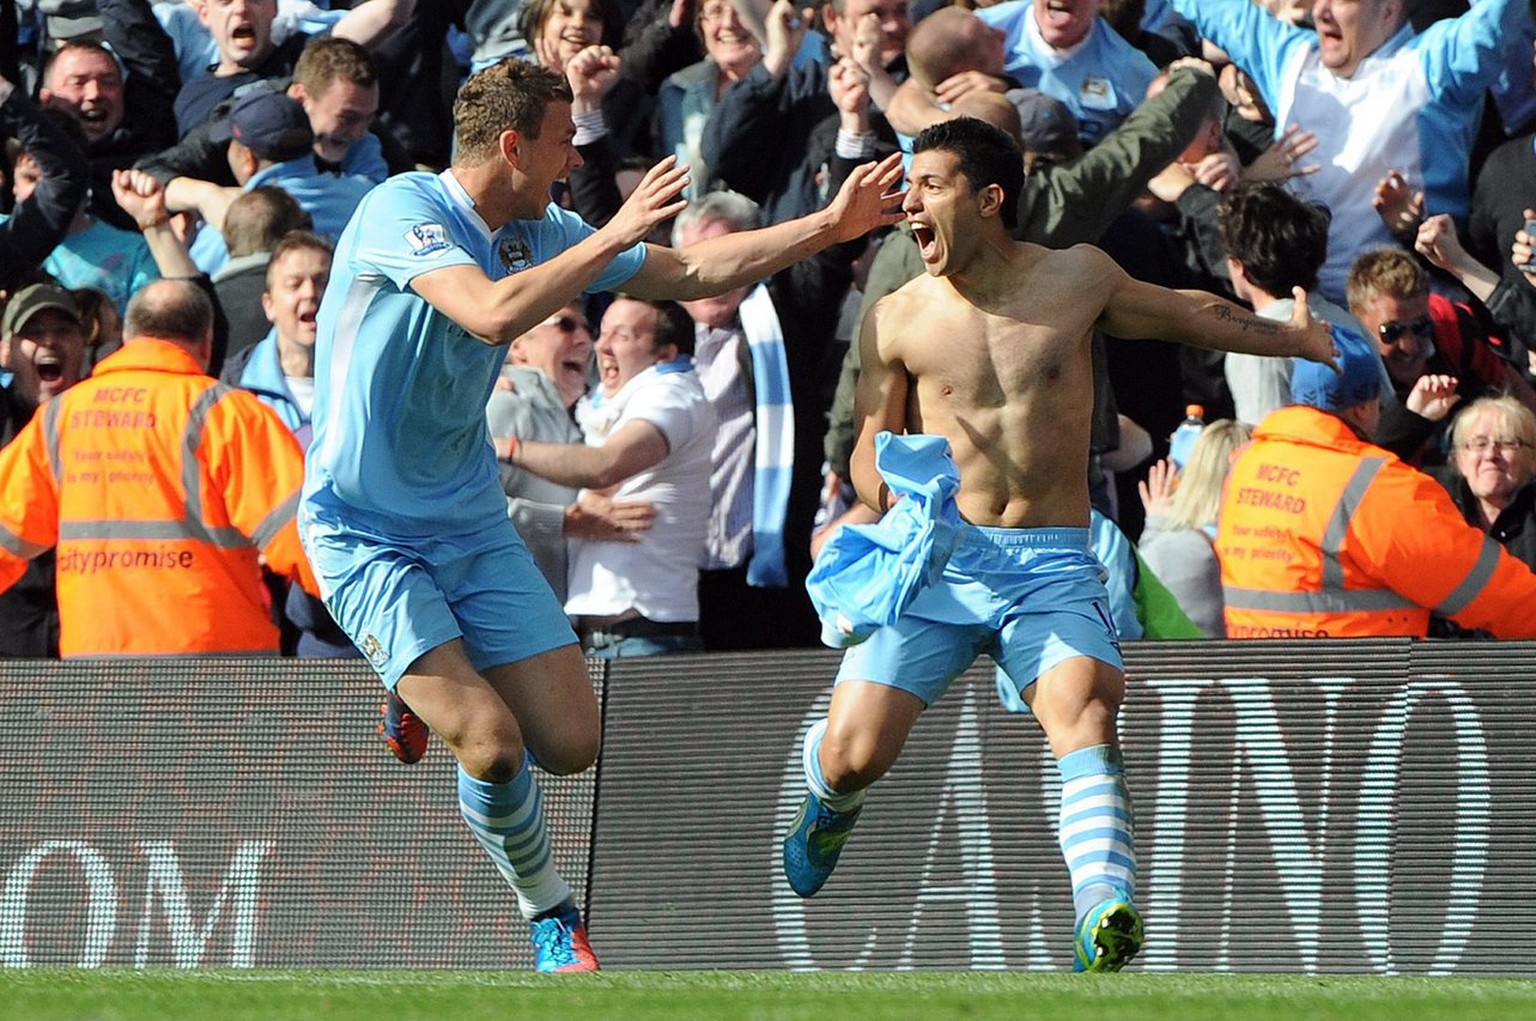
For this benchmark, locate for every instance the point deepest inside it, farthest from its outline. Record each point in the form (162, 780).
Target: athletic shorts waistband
(1027, 538)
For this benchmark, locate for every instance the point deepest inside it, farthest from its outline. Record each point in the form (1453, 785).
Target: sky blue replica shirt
(400, 442)
(1101, 79)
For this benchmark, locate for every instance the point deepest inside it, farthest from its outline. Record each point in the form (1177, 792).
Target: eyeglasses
(1423, 327)
(569, 324)
(1484, 444)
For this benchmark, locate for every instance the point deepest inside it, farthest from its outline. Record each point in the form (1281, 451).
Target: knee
(1077, 710)
(851, 760)
(574, 754)
(493, 753)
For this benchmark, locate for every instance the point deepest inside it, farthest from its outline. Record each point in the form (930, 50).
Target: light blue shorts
(1029, 597)
(399, 599)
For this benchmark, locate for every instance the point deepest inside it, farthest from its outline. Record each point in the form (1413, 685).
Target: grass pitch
(122, 995)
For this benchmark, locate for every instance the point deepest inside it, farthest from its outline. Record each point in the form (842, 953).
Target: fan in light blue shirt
(1081, 61)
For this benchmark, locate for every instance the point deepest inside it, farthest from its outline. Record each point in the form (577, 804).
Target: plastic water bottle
(1183, 439)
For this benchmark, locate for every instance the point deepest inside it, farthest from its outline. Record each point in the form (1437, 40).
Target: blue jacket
(262, 375)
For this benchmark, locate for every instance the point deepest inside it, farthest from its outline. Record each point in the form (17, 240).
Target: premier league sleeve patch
(426, 238)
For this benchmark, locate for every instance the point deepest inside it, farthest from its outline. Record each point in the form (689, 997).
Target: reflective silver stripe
(17, 546)
(51, 412)
(225, 537)
(275, 522)
(1338, 521)
(130, 530)
(1334, 597)
(191, 467)
(1328, 601)
(1472, 585)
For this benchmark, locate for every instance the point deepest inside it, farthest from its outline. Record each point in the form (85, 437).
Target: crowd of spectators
(1378, 154)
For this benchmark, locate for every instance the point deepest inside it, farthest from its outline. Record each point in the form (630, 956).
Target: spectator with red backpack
(1427, 342)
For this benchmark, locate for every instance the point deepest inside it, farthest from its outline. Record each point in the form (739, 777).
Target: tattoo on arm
(1246, 322)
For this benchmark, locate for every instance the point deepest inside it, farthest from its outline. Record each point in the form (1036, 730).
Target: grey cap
(29, 301)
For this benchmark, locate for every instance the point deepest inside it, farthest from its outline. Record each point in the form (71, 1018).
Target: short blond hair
(508, 96)
(1389, 271)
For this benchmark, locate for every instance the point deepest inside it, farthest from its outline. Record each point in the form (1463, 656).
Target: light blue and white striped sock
(1097, 832)
(811, 759)
(508, 820)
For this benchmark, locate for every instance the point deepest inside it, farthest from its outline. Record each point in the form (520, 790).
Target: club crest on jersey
(426, 238)
(514, 254)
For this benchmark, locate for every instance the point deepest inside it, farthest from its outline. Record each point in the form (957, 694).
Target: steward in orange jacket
(162, 489)
(1324, 535)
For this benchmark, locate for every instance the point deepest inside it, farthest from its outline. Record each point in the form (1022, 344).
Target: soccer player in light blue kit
(990, 350)
(403, 515)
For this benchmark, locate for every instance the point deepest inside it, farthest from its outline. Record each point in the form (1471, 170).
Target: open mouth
(50, 371)
(927, 241)
(243, 32)
(1059, 12)
(93, 114)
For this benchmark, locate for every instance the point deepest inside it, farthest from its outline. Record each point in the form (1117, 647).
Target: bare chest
(988, 358)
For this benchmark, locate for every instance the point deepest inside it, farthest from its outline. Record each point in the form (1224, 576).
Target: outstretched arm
(500, 311)
(880, 404)
(865, 201)
(1137, 309)
(638, 445)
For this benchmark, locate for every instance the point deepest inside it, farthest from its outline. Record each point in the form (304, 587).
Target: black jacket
(770, 141)
(39, 223)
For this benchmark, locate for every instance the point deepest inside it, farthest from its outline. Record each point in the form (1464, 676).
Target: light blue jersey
(1101, 80)
(400, 441)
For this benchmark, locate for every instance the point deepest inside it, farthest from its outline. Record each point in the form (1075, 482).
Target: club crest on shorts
(374, 650)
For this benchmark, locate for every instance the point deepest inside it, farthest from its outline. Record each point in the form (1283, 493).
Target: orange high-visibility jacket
(160, 487)
(1324, 535)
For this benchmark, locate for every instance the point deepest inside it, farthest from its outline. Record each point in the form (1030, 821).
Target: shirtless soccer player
(990, 350)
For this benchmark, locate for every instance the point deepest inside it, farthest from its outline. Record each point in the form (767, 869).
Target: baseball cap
(270, 124)
(1320, 387)
(1048, 126)
(29, 301)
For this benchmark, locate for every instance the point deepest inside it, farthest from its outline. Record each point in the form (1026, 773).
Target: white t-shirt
(659, 575)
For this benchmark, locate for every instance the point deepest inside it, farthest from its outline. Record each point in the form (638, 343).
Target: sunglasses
(1423, 327)
(569, 324)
